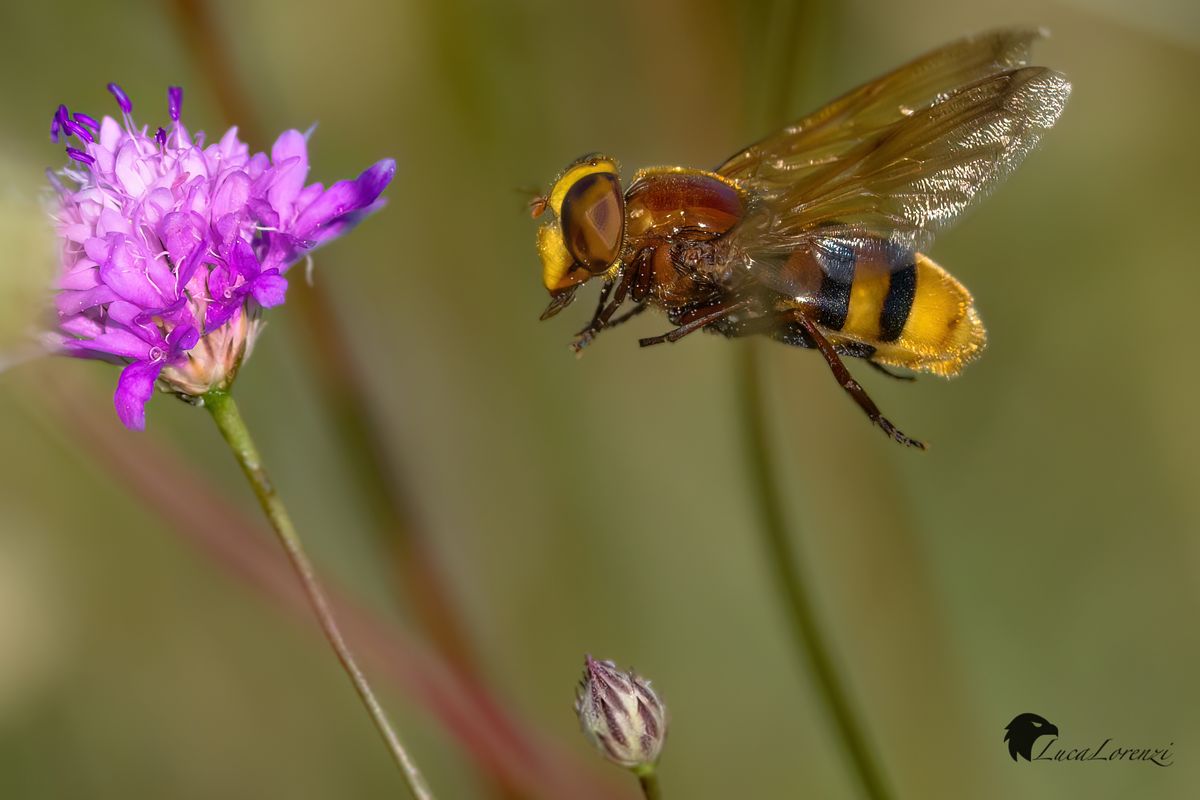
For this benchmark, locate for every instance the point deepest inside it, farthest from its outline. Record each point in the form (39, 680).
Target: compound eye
(593, 220)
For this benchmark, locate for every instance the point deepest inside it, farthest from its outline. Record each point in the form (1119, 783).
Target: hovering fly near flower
(815, 236)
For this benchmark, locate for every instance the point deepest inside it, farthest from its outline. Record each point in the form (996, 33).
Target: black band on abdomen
(902, 291)
(833, 298)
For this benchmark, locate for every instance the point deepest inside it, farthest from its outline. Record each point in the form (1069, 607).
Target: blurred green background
(1042, 556)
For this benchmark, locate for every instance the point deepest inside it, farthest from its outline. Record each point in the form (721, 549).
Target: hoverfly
(817, 235)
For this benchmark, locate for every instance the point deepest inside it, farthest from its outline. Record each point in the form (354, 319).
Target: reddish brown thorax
(669, 201)
(674, 218)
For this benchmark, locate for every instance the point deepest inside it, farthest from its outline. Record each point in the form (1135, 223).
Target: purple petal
(262, 211)
(83, 276)
(79, 348)
(289, 154)
(310, 193)
(231, 195)
(97, 249)
(81, 325)
(112, 221)
(218, 313)
(120, 273)
(110, 134)
(181, 232)
(159, 202)
(182, 339)
(68, 302)
(176, 312)
(270, 290)
(187, 269)
(258, 164)
(117, 342)
(227, 231)
(345, 197)
(134, 390)
(128, 315)
(130, 170)
(225, 298)
(230, 146)
(242, 259)
(341, 225)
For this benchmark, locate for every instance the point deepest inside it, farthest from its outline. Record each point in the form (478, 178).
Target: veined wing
(913, 177)
(825, 135)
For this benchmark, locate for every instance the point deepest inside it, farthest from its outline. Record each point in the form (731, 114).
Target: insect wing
(908, 179)
(784, 158)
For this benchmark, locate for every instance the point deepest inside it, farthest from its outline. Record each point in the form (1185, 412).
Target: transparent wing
(918, 175)
(824, 136)
(870, 165)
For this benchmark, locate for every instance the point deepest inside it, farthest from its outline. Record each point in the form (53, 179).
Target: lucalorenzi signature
(1025, 729)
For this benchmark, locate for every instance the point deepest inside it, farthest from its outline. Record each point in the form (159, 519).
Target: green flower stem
(648, 779)
(340, 383)
(784, 560)
(229, 421)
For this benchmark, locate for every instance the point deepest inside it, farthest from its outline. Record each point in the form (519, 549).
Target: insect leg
(601, 319)
(852, 387)
(628, 315)
(881, 368)
(596, 324)
(619, 297)
(697, 319)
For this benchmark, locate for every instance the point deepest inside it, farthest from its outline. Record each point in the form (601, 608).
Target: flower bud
(621, 715)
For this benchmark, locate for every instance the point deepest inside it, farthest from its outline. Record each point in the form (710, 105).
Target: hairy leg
(852, 387)
(697, 319)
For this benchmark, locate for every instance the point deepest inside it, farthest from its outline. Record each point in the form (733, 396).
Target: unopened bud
(621, 715)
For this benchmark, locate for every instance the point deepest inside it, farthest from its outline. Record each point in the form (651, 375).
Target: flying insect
(817, 235)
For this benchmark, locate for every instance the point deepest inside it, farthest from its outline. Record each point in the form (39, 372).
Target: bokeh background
(1042, 556)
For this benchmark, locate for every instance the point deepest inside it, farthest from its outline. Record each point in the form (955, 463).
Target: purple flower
(171, 248)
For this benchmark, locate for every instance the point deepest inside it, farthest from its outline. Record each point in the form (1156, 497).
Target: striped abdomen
(883, 294)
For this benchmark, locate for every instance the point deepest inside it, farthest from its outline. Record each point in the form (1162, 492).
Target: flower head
(621, 715)
(171, 247)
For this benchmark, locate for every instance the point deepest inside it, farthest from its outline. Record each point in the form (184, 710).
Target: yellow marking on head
(556, 260)
(573, 173)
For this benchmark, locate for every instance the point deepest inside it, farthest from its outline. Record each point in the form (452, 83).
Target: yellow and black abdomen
(873, 292)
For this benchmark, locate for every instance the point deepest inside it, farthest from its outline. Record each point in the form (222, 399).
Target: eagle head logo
(1023, 731)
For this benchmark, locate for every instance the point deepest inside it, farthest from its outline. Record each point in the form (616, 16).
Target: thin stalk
(648, 780)
(229, 422)
(70, 412)
(784, 559)
(418, 576)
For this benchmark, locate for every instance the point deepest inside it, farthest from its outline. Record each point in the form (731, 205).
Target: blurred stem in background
(500, 745)
(784, 561)
(791, 17)
(233, 429)
(340, 382)
(417, 576)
